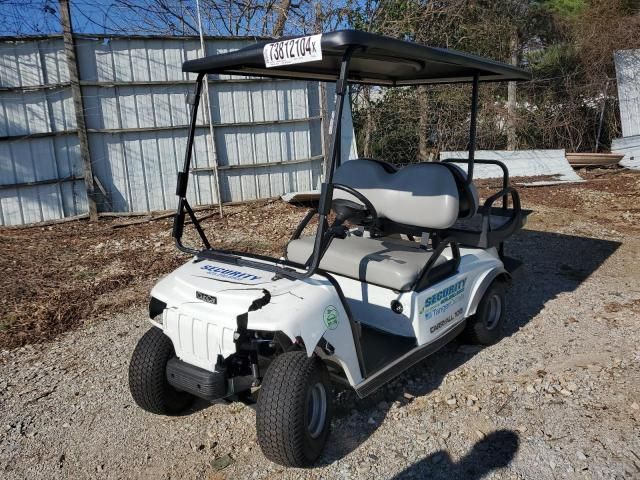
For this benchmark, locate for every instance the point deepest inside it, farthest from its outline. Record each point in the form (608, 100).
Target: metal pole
(341, 91)
(324, 127)
(210, 115)
(192, 128)
(604, 104)
(339, 146)
(473, 126)
(78, 106)
(322, 86)
(326, 193)
(183, 176)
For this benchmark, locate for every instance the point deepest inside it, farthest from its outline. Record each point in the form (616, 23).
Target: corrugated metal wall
(40, 164)
(267, 136)
(628, 79)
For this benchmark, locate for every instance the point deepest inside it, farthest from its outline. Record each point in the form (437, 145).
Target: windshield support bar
(335, 157)
(473, 126)
(183, 180)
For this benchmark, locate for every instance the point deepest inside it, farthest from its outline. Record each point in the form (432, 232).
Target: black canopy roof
(376, 60)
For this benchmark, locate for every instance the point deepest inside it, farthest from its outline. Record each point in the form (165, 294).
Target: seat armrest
(432, 273)
(505, 192)
(485, 210)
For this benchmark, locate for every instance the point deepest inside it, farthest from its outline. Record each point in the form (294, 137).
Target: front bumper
(195, 380)
(203, 383)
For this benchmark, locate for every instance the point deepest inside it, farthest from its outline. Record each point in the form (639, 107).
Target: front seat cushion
(390, 263)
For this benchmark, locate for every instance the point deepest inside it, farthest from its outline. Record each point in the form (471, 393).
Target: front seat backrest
(424, 195)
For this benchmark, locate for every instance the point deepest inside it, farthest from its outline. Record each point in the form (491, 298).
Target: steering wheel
(362, 214)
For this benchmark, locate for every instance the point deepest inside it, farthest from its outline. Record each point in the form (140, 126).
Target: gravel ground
(558, 397)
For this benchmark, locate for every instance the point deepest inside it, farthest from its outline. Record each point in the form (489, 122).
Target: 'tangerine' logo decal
(228, 273)
(441, 301)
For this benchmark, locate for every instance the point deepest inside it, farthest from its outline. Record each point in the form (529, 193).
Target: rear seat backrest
(423, 195)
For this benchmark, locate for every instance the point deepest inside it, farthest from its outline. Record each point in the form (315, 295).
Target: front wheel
(148, 379)
(293, 414)
(485, 327)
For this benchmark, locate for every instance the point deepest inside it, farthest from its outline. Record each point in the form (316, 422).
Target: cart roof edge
(376, 60)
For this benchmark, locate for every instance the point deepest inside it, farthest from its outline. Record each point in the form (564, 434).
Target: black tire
(286, 433)
(486, 326)
(147, 376)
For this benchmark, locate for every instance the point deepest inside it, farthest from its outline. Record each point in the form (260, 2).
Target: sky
(36, 17)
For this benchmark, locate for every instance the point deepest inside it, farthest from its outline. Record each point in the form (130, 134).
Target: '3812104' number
(295, 50)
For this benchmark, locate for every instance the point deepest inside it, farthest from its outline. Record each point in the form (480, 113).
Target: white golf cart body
(200, 331)
(378, 277)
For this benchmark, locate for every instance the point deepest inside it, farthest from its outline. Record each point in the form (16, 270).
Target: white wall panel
(137, 133)
(40, 159)
(628, 79)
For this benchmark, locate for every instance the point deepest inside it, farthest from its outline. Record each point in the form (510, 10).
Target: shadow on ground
(494, 451)
(553, 264)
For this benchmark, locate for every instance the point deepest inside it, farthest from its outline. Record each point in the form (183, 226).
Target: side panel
(371, 305)
(312, 310)
(441, 307)
(445, 304)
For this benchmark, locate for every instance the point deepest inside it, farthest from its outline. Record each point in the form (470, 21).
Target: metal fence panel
(630, 148)
(32, 63)
(38, 111)
(256, 122)
(628, 79)
(55, 160)
(267, 134)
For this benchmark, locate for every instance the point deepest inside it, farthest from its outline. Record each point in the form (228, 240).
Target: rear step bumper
(511, 265)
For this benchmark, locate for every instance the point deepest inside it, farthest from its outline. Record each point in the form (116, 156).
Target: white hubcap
(494, 312)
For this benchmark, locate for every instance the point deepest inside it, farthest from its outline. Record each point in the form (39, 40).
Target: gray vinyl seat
(425, 195)
(390, 263)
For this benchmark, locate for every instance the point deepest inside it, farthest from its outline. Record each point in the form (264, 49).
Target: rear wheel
(486, 326)
(293, 415)
(148, 379)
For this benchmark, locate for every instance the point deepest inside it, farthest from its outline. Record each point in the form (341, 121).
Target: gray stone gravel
(557, 398)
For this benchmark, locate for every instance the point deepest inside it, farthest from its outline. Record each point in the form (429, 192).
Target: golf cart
(402, 262)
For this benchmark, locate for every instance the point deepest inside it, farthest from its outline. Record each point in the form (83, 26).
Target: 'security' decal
(441, 301)
(228, 273)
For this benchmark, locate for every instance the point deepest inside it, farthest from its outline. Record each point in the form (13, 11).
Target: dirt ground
(556, 398)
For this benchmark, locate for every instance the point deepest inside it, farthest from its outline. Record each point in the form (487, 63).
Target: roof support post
(336, 126)
(192, 132)
(326, 192)
(473, 126)
(183, 178)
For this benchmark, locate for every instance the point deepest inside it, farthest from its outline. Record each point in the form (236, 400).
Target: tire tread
(147, 375)
(280, 421)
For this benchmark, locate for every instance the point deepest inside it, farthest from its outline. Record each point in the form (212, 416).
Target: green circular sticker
(331, 317)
